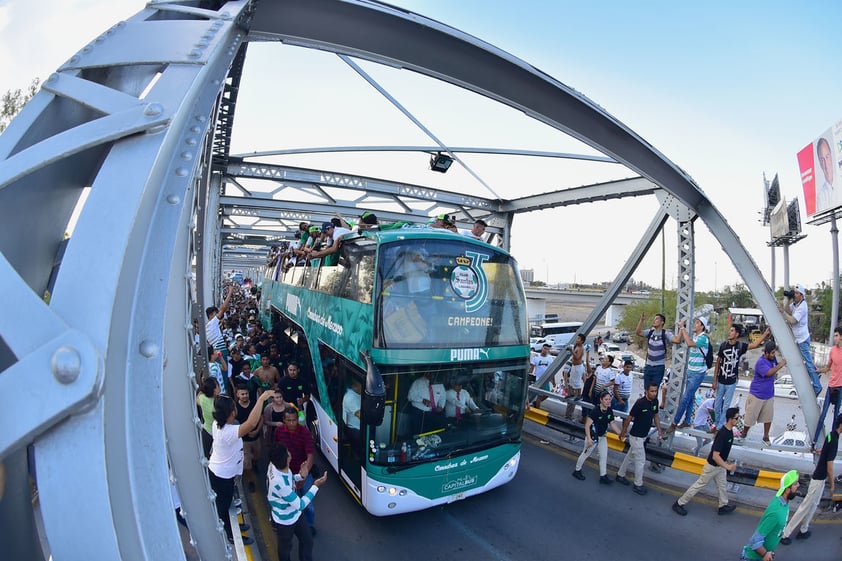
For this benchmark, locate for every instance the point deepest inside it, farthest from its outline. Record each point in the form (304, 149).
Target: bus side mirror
(374, 400)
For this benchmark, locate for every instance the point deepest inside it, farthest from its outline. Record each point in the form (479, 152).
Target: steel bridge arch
(139, 120)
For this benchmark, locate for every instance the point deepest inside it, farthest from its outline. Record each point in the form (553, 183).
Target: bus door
(352, 430)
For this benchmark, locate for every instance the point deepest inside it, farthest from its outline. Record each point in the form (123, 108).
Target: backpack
(708, 355)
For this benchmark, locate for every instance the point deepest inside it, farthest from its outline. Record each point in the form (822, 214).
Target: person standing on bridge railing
(656, 348)
(834, 385)
(760, 405)
(726, 370)
(698, 346)
(796, 314)
(574, 381)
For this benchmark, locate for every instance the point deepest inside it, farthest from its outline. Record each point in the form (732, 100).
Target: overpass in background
(537, 299)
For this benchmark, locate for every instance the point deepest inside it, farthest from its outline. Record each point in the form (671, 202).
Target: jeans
(652, 374)
(811, 368)
(722, 401)
(615, 404)
(685, 408)
(310, 511)
(834, 395)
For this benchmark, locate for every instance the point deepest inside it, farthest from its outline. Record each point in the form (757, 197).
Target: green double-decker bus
(416, 346)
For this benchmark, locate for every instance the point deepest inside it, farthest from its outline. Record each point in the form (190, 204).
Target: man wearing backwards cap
(824, 471)
(797, 318)
(768, 533)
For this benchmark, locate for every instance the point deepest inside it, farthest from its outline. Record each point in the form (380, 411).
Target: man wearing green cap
(768, 533)
(823, 472)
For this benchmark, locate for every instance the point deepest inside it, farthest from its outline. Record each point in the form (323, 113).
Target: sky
(726, 90)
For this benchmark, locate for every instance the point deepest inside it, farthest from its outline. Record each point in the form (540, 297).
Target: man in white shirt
(428, 400)
(213, 333)
(458, 402)
(798, 320)
(477, 231)
(351, 406)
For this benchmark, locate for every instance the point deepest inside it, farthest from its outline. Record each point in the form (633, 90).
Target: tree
(14, 100)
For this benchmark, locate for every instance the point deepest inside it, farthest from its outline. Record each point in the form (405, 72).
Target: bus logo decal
(468, 280)
(468, 354)
(461, 482)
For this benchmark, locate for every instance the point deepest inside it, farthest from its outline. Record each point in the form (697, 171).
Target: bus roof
(561, 324)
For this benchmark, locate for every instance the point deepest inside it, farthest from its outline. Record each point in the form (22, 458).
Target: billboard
(820, 163)
(779, 221)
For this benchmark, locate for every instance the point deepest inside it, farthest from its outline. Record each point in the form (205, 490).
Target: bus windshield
(447, 292)
(474, 407)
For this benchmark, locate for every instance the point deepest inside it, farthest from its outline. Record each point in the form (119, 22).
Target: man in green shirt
(768, 533)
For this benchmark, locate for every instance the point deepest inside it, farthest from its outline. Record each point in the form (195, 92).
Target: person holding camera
(796, 314)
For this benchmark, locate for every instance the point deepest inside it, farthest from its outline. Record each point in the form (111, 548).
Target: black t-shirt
(729, 361)
(831, 446)
(721, 443)
(643, 411)
(236, 365)
(243, 414)
(293, 388)
(600, 419)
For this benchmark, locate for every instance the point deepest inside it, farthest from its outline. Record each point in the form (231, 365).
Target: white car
(539, 343)
(785, 388)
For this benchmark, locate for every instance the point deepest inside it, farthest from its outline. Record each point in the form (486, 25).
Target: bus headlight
(510, 464)
(381, 488)
(402, 492)
(392, 491)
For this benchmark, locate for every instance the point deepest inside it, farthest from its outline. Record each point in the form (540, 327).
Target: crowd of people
(251, 401)
(314, 242)
(712, 413)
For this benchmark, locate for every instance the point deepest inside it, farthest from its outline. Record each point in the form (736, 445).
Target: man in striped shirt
(296, 438)
(287, 505)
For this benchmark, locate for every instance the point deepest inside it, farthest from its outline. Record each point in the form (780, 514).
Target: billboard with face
(820, 163)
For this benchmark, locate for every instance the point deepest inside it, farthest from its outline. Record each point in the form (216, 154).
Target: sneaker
(786, 541)
(245, 527)
(579, 475)
(640, 489)
(679, 509)
(725, 509)
(621, 479)
(803, 535)
(605, 480)
(237, 502)
(247, 540)
(767, 442)
(239, 509)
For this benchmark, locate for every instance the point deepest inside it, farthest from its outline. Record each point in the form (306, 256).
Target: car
(627, 356)
(610, 349)
(539, 342)
(621, 337)
(785, 388)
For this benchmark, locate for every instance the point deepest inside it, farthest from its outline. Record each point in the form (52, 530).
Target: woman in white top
(226, 461)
